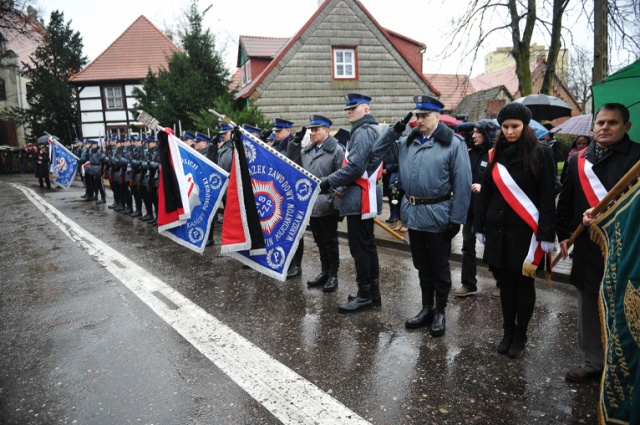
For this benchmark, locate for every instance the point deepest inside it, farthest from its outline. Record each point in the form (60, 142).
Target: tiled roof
(262, 47)
(129, 57)
(235, 82)
(506, 77)
(452, 87)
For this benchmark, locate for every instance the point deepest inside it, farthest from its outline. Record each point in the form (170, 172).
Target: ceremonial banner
(616, 231)
(64, 164)
(205, 185)
(283, 194)
(173, 196)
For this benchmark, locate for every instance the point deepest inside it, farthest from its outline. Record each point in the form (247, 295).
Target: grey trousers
(590, 332)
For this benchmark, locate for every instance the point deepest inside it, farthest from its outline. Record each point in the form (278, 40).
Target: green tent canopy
(622, 87)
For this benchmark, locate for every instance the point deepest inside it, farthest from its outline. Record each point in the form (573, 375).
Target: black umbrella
(45, 139)
(545, 107)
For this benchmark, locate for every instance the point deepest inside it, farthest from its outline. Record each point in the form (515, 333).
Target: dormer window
(345, 63)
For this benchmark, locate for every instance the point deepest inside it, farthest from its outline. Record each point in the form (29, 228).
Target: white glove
(481, 238)
(547, 246)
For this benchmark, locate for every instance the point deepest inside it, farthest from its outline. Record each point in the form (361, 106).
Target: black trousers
(325, 234)
(468, 276)
(430, 254)
(362, 246)
(96, 185)
(517, 297)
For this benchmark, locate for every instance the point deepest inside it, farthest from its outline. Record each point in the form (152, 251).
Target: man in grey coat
(321, 157)
(435, 174)
(353, 175)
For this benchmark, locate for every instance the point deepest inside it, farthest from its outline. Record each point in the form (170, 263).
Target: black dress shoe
(126, 211)
(331, 285)
(294, 271)
(112, 206)
(101, 201)
(153, 222)
(119, 208)
(93, 198)
(146, 217)
(319, 280)
(438, 325)
(135, 214)
(422, 319)
(85, 196)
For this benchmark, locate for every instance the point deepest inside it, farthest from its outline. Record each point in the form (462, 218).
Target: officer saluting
(436, 176)
(355, 177)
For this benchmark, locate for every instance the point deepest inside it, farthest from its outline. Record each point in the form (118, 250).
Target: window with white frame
(344, 63)
(245, 70)
(113, 97)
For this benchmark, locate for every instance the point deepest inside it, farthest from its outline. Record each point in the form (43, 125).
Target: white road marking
(287, 395)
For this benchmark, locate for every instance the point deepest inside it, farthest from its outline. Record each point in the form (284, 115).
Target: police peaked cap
(91, 142)
(252, 129)
(188, 136)
(355, 99)
(202, 138)
(426, 104)
(279, 123)
(319, 121)
(224, 127)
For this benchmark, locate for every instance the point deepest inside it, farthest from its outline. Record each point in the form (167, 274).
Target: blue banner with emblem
(64, 164)
(284, 195)
(616, 231)
(206, 185)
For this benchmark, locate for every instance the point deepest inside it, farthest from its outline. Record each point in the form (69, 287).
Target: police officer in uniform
(436, 176)
(116, 172)
(136, 176)
(125, 167)
(362, 244)
(323, 156)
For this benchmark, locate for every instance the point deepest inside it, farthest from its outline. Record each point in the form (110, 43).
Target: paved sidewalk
(383, 238)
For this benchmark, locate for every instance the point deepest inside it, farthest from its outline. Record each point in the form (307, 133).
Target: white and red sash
(368, 183)
(593, 189)
(526, 210)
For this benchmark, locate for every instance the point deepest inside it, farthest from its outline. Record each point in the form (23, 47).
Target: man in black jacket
(591, 175)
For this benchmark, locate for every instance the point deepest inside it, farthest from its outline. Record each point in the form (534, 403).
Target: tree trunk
(601, 40)
(559, 7)
(522, 48)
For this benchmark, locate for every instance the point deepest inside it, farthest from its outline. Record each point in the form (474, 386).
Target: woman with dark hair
(515, 220)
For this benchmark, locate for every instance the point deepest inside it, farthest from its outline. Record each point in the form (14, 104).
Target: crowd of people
(500, 186)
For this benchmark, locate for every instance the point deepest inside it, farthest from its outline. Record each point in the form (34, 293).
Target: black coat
(42, 164)
(507, 236)
(587, 269)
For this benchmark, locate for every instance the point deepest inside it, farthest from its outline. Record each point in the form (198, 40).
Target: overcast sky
(427, 21)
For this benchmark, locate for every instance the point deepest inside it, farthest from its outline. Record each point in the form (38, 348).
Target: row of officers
(510, 179)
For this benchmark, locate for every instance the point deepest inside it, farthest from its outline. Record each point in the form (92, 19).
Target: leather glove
(324, 185)
(481, 238)
(297, 138)
(401, 125)
(451, 231)
(264, 135)
(547, 247)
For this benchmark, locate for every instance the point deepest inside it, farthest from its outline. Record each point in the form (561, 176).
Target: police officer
(323, 156)
(125, 167)
(115, 174)
(189, 139)
(282, 131)
(436, 176)
(136, 176)
(364, 133)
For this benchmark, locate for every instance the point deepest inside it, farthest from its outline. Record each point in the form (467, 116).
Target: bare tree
(581, 63)
(557, 12)
(18, 17)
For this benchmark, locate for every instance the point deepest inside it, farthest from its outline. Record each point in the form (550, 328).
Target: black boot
(136, 213)
(507, 339)
(294, 271)
(319, 280)
(438, 325)
(516, 350)
(376, 301)
(101, 201)
(331, 285)
(361, 302)
(424, 318)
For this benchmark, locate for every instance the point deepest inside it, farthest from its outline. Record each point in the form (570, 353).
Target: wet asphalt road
(77, 346)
